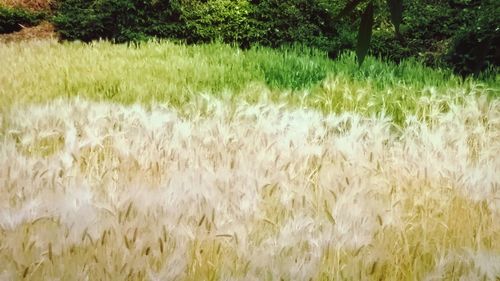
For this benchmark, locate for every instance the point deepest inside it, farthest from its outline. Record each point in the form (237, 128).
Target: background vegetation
(13, 19)
(460, 34)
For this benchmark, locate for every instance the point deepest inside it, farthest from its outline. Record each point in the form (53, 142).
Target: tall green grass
(175, 74)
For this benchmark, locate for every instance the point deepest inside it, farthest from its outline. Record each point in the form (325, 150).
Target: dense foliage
(268, 23)
(475, 46)
(462, 34)
(222, 20)
(119, 20)
(13, 19)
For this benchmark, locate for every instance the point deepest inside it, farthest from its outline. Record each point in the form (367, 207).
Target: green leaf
(396, 8)
(365, 33)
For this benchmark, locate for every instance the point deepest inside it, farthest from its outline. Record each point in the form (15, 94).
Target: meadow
(161, 161)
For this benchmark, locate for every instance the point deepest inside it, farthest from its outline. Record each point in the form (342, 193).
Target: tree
(365, 28)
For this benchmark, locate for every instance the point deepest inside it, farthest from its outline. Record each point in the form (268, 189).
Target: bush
(13, 19)
(454, 33)
(223, 20)
(118, 20)
(427, 27)
(293, 21)
(304, 22)
(475, 47)
(244, 22)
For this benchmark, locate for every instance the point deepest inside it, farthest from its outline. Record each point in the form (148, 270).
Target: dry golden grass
(34, 5)
(99, 191)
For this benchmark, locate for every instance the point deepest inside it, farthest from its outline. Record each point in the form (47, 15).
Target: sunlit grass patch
(409, 251)
(250, 191)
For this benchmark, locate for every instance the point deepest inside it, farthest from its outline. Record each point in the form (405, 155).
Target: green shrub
(78, 20)
(119, 20)
(475, 47)
(454, 33)
(224, 20)
(13, 19)
(244, 22)
(304, 22)
(427, 27)
(294, 21)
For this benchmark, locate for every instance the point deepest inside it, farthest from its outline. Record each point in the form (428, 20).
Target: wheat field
(271, 185)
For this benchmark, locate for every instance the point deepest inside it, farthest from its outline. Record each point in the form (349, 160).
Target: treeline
(444, 33)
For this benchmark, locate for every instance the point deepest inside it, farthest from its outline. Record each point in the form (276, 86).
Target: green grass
(173, 74)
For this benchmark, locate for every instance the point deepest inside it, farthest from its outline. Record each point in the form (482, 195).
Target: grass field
(161, 161)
